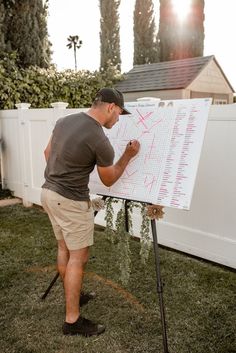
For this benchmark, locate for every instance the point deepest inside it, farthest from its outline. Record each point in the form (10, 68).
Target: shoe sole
(83, 334)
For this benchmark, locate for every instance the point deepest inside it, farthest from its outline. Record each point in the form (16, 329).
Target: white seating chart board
(171, 135)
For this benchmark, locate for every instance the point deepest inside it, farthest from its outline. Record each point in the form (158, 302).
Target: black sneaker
(83, 327)
(86, 297)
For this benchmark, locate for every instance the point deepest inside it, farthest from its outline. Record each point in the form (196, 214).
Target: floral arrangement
(155, 211)
(117, 231)
(98, 204)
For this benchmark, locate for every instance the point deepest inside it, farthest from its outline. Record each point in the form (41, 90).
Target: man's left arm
(48, 149)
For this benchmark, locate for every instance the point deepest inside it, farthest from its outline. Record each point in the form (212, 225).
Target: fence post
(59, 110)
(25, 177)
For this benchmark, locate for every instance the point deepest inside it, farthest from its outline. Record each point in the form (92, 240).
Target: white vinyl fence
(208, 230)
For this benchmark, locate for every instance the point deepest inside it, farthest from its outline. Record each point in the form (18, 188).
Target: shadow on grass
(199, 297)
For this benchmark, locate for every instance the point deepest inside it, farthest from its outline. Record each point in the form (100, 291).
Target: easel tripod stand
(158, 275)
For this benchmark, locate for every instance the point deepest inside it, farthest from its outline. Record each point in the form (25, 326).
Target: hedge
(40, 87)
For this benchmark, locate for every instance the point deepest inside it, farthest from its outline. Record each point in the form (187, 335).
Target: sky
(82, 18)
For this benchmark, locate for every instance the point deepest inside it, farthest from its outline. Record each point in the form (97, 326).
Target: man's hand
(109, 175)
(132, 148)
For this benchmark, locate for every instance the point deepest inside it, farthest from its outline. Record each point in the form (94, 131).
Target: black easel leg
(126, 216)
(159, 285)
(50, 286)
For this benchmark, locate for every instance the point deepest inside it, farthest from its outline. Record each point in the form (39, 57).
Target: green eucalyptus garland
(145, 240)
(123, 247)
(119, 233)
(109, 215)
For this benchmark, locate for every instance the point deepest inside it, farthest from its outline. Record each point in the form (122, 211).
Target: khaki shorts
(71, 220)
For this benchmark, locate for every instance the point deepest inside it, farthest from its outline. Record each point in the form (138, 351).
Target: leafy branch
(119, 233)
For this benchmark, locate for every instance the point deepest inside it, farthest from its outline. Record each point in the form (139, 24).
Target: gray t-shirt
(78, 144)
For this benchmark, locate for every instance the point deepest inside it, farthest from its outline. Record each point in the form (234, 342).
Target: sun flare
(181, 8)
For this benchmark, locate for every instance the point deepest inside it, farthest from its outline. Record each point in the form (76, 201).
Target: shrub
(40, 87)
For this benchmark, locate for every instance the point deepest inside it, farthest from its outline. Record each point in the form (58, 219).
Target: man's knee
(79, 257)
(62, 246)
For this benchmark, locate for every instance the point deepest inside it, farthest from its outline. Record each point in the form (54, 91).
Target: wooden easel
(157, 267)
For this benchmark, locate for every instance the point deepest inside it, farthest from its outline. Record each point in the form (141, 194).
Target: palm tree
(76, 44)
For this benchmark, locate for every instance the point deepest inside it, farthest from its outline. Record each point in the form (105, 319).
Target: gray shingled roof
(164, 75)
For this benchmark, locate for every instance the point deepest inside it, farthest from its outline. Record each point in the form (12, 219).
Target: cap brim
(125, 111)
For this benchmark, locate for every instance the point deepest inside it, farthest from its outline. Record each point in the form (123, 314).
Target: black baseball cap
(112, 95)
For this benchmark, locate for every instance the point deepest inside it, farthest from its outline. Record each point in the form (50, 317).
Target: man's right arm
(109, 175)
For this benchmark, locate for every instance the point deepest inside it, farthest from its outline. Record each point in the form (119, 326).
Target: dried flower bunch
(98, 204)
(155, 211)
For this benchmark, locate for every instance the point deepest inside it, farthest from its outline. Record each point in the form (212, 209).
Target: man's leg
(75, 324)
(73, 278)
(62, 258)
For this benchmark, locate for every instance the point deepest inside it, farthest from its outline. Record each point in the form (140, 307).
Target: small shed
(179, 79)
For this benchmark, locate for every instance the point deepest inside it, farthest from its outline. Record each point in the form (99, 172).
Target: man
(77, 144)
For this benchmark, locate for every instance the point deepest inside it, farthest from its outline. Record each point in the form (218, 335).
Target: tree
(74, 43)
(195, 28)
(25, 25)
(110, 34)
(181, 40)
(2, 31)
(145, 46)
(165, 33)
(5, 7)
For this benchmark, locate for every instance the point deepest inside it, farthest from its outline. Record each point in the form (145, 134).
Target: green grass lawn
(199, 297)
